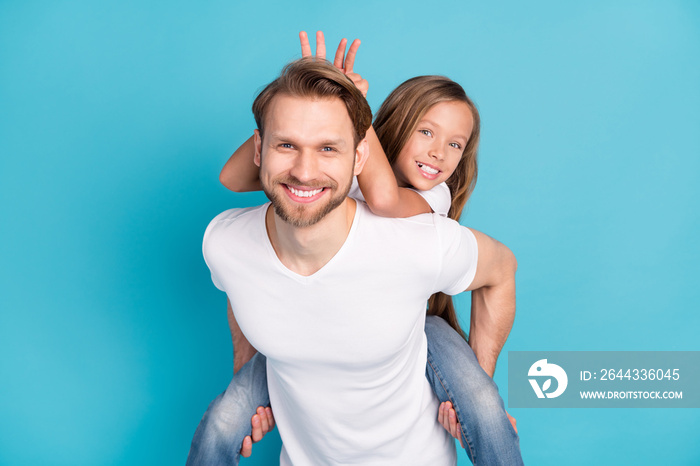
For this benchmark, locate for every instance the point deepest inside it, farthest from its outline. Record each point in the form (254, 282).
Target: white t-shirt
(346, 351)
(438, 197)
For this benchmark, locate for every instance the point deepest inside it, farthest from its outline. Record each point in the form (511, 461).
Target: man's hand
(341, 61)
(512, 421)
(262, 422)
(447, 417)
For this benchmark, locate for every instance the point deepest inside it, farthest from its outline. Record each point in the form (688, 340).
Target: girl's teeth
(428, 169)
(300, 193)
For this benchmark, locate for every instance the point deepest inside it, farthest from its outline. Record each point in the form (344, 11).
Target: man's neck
(306, 250)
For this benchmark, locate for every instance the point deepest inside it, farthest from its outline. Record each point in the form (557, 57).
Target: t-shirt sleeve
(209, 244)
(438, 198)
(355, 191)
(459, 253)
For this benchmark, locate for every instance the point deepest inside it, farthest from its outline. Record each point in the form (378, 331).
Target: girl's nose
(435, 152)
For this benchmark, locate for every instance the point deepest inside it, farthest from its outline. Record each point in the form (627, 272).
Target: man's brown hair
(317, 79)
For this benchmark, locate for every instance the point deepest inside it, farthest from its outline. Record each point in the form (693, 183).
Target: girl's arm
(240, 174)
(381, 190)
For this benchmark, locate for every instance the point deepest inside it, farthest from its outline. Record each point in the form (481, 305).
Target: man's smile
(303, 193)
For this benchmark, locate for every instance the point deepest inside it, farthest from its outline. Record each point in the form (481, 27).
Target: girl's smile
(435, 147)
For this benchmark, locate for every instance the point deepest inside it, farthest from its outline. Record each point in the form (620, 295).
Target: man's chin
(305, 215)
(302, 215)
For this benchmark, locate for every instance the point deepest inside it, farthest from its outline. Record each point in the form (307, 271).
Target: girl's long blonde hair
(394, 123)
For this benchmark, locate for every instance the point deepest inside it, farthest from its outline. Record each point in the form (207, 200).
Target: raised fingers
(305, 46)
(320, 45)
(352, 52)
(340, 54)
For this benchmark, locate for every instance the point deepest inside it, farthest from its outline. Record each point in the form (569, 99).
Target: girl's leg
(220, 434)
(456, 376)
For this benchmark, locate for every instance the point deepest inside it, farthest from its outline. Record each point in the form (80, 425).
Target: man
(335, 296)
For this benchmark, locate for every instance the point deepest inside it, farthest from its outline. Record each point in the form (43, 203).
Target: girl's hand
(343, 62)
(448, 419)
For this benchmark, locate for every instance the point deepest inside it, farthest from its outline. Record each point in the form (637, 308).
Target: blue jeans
(219, 436)
(453, 372)
(456, 376)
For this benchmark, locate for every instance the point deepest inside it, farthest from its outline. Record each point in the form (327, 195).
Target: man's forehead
(322, 118)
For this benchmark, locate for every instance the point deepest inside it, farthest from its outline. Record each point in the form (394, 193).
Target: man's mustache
(311, 184)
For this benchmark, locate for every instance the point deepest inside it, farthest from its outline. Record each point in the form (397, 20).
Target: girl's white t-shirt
(438, 197)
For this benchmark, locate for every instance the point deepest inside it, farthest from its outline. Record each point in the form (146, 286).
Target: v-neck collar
(359, 210)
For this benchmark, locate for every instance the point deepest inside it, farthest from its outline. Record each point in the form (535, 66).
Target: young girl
(429, 130)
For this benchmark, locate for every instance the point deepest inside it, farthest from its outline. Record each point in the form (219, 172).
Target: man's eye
(427, 132)
(328, 149)
(285, 145)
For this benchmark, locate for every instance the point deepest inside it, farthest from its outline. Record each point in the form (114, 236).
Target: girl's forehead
(453, 115)
(448, 107)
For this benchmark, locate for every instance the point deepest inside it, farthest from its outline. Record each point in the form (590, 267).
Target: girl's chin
(424, 184)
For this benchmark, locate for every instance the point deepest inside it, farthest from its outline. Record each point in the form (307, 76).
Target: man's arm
(242, 349)
(493, 300)
(263, 420)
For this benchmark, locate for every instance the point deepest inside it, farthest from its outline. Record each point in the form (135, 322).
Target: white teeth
(428, 169)
(300, 193)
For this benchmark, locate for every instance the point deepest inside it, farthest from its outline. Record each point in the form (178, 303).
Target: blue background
(116, 117)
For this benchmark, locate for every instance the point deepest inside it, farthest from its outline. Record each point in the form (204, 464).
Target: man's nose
(305, 166)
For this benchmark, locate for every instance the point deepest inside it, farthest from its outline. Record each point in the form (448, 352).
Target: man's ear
(257, 140)
(361, 156)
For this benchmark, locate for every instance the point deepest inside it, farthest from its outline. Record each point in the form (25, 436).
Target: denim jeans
(453, 372)
(456, 376)
(219, 436)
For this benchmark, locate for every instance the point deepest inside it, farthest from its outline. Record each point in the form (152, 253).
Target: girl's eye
(427, 132)
(455, 145)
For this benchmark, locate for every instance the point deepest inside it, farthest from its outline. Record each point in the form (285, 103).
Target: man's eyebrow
(278, 136)
(323, 142)
(332, 142)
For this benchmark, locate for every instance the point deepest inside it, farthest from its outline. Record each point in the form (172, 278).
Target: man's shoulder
(432, 220)
(236, 213)
(233, 218)
(432, 228)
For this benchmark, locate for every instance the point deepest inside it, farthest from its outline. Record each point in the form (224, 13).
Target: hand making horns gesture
(342, 62)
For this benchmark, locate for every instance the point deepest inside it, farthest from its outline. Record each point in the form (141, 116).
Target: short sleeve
(459, 253)
(438, 198)
(355, 191)
(210, 244)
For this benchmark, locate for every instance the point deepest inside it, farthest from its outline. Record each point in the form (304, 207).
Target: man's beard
(302, 215)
